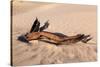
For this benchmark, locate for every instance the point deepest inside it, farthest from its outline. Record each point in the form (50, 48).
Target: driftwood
(38, 33)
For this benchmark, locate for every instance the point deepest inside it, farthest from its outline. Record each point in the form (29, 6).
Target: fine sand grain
(69, 19)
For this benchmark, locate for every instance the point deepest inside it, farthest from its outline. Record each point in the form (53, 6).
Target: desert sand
(69, 19)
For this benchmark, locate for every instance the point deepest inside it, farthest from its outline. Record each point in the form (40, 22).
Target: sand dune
(64, 18)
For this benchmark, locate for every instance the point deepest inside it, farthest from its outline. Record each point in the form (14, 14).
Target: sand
(69, 19)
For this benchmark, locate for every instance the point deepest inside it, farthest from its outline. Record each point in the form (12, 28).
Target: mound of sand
(44, 53)
(67, 19)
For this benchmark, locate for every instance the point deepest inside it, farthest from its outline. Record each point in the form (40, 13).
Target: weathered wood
(37, 33)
